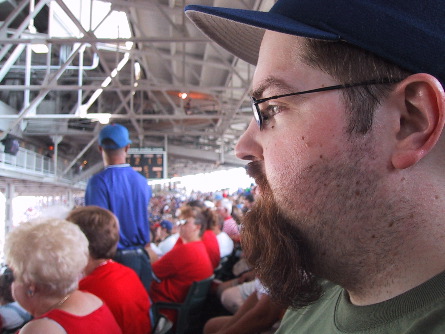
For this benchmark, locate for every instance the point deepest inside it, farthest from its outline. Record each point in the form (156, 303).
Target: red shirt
(100, 321)
(177, 270)
(121, 289)
(212, 246)
(211, 242)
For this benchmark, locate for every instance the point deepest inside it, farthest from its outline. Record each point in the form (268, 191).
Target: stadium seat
(189, 312)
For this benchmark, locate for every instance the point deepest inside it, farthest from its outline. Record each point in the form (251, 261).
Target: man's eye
(270, 111)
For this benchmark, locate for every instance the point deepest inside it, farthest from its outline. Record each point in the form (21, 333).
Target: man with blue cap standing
(348, 152)
(126, 193)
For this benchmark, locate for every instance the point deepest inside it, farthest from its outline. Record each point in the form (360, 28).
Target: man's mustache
(255, 170)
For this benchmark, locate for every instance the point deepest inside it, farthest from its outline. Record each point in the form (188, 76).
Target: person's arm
(247, 276)
(151, 253)
(255, 315)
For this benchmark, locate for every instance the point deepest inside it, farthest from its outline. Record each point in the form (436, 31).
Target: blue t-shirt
(127, 194)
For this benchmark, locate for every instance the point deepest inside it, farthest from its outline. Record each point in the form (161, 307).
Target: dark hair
(6, 280)
(100, 227)
(197, 203)
(350, 64)
(249, 197)
(111, 151)
(237, 214)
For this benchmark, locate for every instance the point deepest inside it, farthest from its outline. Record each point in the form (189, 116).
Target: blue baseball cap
(409, 33)
(117, 133)
(168, 225)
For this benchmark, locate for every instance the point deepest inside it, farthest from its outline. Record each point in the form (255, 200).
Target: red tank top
(100, 321)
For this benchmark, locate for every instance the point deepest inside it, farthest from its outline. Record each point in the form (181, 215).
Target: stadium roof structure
(67, 67)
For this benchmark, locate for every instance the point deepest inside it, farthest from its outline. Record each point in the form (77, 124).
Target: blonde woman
(47, 259)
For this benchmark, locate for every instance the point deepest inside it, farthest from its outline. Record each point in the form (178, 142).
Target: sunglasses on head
(181, 222)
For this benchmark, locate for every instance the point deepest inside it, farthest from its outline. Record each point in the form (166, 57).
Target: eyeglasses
(259, 117)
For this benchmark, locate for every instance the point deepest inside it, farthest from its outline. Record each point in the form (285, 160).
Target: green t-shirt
(417, 311)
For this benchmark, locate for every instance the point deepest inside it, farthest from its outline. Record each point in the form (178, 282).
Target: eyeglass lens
(256, 112)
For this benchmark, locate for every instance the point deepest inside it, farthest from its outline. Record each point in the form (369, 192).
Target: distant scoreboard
(150, 162)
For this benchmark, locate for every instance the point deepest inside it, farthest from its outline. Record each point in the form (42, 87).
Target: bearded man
(348, 152)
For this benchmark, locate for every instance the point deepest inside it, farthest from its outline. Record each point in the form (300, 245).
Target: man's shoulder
(416, 311)
(316, 316)
(101, 174)
(97, 178)
(124, 170)
(130, 172)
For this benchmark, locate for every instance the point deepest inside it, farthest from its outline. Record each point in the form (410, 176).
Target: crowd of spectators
(192, 238)
(12, 315)
(239, 304)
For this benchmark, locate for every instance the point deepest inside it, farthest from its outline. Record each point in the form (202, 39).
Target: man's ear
(421, 102)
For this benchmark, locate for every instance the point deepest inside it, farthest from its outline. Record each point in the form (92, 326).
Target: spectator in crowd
(12, 315)
(234, 292)
(47, 259)
(163, 229)
(155, 206)
(257, 314)
(348, 151)
(224, 207)
(248, 201)
(187, 262)
(153, 250)
(209, 236)
(169, 242)
(233, 297)
(117, 285)
(126, 193)
(225, 243)
(166, 227)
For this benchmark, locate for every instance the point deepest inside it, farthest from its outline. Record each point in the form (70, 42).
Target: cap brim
(241, 31)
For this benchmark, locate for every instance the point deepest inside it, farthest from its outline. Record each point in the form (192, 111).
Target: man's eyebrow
(269, 82)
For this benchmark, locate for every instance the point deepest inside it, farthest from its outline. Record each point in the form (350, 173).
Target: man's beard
(333, 220)
(275, 249)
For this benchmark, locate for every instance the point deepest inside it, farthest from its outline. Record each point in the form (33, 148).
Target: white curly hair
(51, 253)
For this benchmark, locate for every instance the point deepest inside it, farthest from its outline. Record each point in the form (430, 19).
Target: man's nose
(248, 147)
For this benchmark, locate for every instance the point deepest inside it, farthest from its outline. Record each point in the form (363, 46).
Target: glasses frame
(260, 118)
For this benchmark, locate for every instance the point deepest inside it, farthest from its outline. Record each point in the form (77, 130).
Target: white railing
(35, 164)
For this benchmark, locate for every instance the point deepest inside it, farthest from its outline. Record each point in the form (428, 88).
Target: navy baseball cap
(117, 133)
(409, 33)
